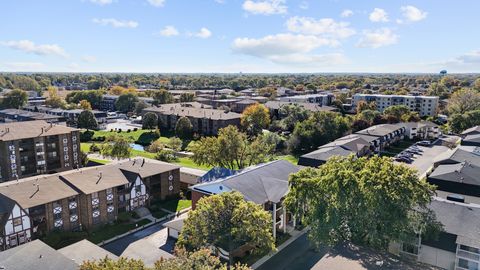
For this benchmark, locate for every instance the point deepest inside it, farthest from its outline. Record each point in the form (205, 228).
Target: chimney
(456, 198)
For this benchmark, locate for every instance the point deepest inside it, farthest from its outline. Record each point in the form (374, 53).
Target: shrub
(119, 130)
(135, 129)
(86, 136)
(94, 148)
(166, 155)
(128, 130)
(123, 217)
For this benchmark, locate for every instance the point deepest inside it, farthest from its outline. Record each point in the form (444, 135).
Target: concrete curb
(280, 248)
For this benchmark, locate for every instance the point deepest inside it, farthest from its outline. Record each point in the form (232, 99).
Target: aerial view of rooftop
(239, 134)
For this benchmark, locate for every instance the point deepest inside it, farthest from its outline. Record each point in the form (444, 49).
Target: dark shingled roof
(35, 255)
(30, 129)
(380, 130)
(262, 183)
(473, 130)
(464, 172)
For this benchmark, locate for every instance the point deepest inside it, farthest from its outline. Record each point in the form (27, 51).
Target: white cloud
(203, 33)
(412, 14)
(326, 26)
(265, 7)
(89, 59)
(287, 48)
(25, 66)
(156, 3)
(377, 38)
(304, 5)
(116, 23)
(346, 13)
(169, 31)
(378, 15)
(102, 2)
(30, 47)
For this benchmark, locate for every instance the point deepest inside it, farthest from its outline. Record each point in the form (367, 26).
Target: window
(17, 222)
(470, 249)
(466, 264)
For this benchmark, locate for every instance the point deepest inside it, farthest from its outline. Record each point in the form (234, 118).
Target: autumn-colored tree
(85, 105)
(54, 100)
(463, 101)
(255, 118)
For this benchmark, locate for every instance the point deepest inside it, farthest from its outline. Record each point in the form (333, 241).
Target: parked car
(424, 143)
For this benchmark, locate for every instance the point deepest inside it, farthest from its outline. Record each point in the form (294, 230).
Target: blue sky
(240, 36)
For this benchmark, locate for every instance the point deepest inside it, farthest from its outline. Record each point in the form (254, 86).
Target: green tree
(459, 122)
(255, 118)
(227, 221)
(231, 149)
(175, 144)
(150, 120)
(362, 105)
(463, 101)
(291, 114)
(15, 99)
(187, 97)
(139, 106)
(26, 83)
(116, 147)
(95, 97)
(319, 129)
(368, 116)
(87, 120)
(368, 201)
(396, 112)
(126, 102)
(184, 128)
(162, 96)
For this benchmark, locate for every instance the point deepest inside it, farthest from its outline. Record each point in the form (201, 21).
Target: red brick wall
(195, 197)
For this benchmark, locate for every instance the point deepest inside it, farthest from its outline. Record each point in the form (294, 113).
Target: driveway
(299, 255)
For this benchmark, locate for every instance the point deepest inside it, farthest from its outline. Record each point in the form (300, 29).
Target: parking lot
(423, 160)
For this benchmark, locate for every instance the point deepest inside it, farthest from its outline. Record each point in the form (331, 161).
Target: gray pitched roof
(459, 219)
(380, 130)
(260, 184)
(85, 250)
(460, 154)
(30, 129)
(464, 172)
(35, 255)
(472, 138)
(325, 153)
(473, 130)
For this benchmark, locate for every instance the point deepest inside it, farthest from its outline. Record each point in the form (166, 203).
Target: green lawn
(62, 239)
(143, 137)
(173, 205)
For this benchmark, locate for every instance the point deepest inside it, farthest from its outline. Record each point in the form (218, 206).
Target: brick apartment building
(37, 147)
(204, 121)
(81, 199)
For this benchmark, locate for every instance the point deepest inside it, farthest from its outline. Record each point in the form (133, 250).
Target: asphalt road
(299, 255)
(118, 246)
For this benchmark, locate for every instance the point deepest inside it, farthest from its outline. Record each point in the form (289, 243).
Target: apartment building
(421, 130)
(424, 105)
(37, 147)
(70, 116)
(16, 115)
(323, 99)
(81, 199)
(265, 184)
(204, 121)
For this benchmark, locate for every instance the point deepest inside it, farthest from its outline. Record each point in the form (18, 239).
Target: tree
(362, 105)
(184, 128)
(359, 124)
(117, 90)
(162, 96)
(396, 112)
(85, 105)
(368, 116)
(15, 99)
(54, 100)
(476, 84)
(95, 97)
(150, 120)
(26, 83)
(231, 149)
(155, 146)
(87, 120)
(270, 92)
(116, 147)
(368, 201)
(187, 97)
(139, 106)
(229, 222)
(175, 144)
(463, 101)
(198, 260)
(126, 102)
(291, 114)
(460, 122)
(255, 118)
(319, 129)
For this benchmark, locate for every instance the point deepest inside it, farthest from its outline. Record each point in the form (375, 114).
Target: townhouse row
(81, 199)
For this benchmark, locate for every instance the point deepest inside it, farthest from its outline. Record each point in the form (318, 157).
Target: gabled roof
(352, 142)
(6, 207)
(380, 130)
(85, 250)
(472, 138)
(470, 154)
(465, 173)
(459, 219)
(472, 130)
(260, 184)
(31, 129)
(35, 255)
(217, 173)
(325, 153)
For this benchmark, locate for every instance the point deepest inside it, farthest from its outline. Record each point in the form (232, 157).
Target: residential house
(265, 184)
(322, 99)
(471, 136)
(421, 130)
(424, 105)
